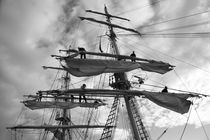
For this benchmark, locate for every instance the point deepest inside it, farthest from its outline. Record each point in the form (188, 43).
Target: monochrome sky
(32, 30)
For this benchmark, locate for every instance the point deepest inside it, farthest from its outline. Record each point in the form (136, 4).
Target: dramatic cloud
(22, 23)
(31, 30)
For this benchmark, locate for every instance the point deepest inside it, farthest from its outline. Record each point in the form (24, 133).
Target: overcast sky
(32, 30)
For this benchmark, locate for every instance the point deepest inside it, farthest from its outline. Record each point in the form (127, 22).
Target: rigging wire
(22, 110)
(77, 137)
(124, 124)
(145, 43)
(44, 109)
(177, 58)
(190, 108)
(90, 114)
(174, 19)
(77, 131)
(173, 35)
(174, 57)
(201, 124)
(178, 35)
(183, 131)
(136, 49)
(182, 60)
(180, 27)
(181, 80)
(187, 86)
(160, 83)
(162, 133)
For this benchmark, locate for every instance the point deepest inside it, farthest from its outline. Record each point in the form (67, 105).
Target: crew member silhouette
(82, 94)
(133, 55)
(82, 53)
(165, 89)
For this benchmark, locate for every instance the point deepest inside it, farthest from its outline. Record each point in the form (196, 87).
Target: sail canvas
(172, 101)
(91, 67)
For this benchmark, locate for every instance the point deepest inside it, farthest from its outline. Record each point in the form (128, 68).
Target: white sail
(91, 67)
(173, 101)
(33, 104)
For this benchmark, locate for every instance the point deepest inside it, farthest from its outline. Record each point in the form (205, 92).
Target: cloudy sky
(32, 30)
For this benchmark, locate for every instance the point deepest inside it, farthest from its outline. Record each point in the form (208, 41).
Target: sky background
(32, 30)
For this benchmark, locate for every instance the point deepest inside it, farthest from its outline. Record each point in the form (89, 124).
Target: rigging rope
(174, 19)
(172, 35)
(160, 83)
(181, 79)
(144, 42)
(44, 109)
(19, 114)
(174, 57)
(178, 35)
(186, 124)
(88, 122)
(137, 49)
(162, 134)
(180, 27)
(201, 124)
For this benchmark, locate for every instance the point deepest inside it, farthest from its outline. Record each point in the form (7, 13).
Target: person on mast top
(82, 52)
(82, 94)
(133, 55)
(165, 89)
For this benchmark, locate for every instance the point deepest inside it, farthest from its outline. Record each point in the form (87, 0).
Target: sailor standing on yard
(82, 52)
(133, 55)
(82, 94)
(165, 89)
(39, 94)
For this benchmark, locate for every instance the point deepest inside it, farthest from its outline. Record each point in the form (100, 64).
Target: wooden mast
(123, 77)
(65, 111)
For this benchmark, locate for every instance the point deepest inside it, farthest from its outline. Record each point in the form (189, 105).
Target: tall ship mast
(65, 102)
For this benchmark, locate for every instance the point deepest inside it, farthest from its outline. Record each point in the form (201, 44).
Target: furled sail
(91, 67)
(33, 104)
(172, 101)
